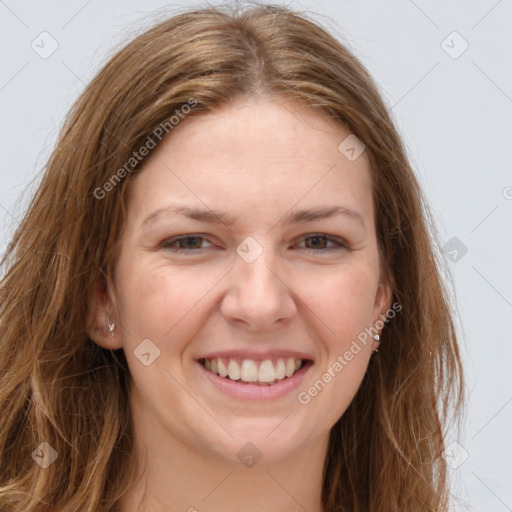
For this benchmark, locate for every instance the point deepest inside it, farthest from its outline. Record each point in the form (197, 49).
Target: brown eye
(319, 242)
(184, 243)
(191, 242)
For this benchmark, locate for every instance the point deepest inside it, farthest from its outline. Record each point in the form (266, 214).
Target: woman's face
(227, 261)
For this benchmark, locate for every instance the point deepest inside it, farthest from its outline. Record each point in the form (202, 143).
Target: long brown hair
(57, 386)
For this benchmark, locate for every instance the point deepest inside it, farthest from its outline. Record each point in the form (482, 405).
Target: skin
(258, 161)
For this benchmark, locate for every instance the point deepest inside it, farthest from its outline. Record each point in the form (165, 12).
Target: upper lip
(255, 355)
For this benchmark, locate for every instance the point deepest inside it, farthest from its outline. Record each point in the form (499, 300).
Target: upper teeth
(248, 370)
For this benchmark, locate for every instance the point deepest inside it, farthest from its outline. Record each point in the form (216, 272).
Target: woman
(226, 233)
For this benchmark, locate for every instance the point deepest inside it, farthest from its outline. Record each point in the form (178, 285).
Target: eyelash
(167, 244)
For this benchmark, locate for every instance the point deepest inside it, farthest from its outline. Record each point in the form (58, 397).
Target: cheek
(162, 306)
(336, 388)
(160, 303)
(343, 308)
(343, 301)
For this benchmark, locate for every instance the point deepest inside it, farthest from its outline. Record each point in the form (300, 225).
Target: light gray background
(455, 116)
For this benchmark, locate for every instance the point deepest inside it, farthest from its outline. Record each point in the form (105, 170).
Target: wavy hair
(56, 385)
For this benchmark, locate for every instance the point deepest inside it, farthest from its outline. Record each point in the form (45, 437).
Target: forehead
(250, 155)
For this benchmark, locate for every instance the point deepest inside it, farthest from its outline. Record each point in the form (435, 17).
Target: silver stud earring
(377, 338)
(110, 327)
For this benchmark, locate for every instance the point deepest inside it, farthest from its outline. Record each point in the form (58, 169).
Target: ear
(102, 310)
(382, 304)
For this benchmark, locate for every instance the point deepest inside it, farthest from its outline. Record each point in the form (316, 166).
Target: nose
(259, 296)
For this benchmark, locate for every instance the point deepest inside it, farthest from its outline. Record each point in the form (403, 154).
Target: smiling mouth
(249, 371)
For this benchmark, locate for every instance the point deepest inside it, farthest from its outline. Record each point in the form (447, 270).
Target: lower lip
(250, 391)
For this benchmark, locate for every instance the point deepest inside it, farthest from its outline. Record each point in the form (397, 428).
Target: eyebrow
(219, 217)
